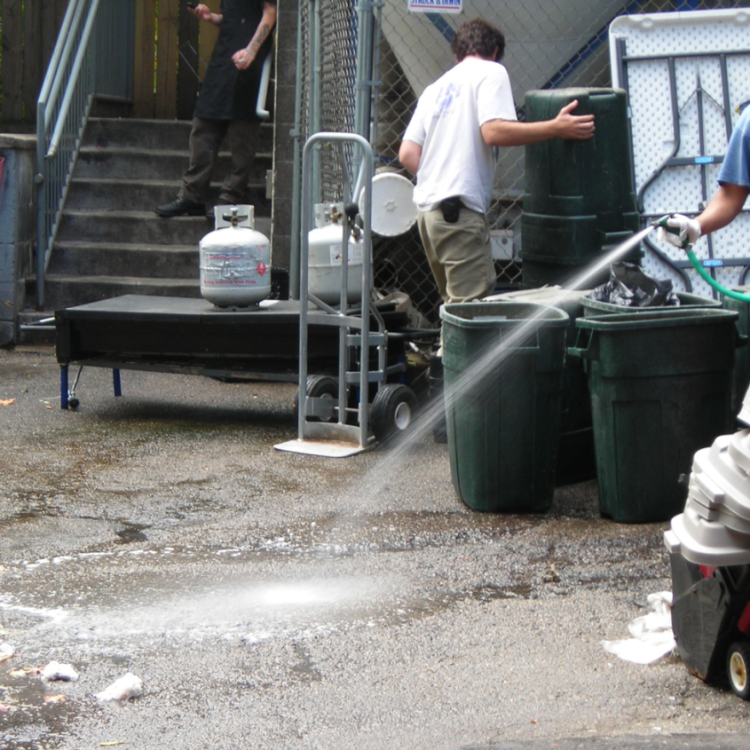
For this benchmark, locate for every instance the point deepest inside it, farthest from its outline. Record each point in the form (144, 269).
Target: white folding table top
(687, 76)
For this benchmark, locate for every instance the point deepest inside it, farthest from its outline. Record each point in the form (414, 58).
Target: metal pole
(296, 134)
(314, 126)
(303, 287)
(375, 89)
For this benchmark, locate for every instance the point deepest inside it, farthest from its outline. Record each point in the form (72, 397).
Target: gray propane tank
(235, 260)
(325, 255)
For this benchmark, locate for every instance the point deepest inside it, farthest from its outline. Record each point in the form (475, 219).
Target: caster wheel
(393, 410)
(738, 668)
(73, 403)
(320, 386)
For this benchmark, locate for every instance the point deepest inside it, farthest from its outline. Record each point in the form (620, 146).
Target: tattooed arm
(244, 57)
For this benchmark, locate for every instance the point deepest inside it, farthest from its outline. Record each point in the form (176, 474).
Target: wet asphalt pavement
(272, 600)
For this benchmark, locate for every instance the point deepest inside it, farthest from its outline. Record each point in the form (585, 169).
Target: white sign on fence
(435, 6)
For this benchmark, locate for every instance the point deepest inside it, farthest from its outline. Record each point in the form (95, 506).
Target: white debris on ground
(6, 651)
(56, 671)
(652, 636)
(128, 686)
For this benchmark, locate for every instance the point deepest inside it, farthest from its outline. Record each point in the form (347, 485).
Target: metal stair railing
(93, 57)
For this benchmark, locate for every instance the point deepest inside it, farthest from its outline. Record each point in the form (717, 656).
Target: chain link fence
(549, 44)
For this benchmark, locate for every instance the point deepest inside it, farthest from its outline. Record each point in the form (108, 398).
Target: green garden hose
(698, 266)
(706, 276)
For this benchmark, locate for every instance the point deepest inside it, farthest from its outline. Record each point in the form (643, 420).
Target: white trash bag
(653, 638)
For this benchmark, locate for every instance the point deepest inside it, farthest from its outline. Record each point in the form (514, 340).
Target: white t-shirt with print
(455, 160)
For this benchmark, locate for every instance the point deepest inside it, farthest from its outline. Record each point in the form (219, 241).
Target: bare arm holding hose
(727, 202)
(722, 209)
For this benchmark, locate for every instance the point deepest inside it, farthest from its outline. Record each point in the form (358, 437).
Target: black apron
(228, 93)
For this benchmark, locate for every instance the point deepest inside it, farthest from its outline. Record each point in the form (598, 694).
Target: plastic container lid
(706, 542)
(723, 483)
(665, 317)
(511, 314)
(687, 301)
(548, 295)
(716, 514)
(393, 209)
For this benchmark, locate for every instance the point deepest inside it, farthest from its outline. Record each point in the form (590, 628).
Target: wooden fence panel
(171, 47)
(167, 45)
(187, 66)
(42, 20)
(12, 101)
(144, 59)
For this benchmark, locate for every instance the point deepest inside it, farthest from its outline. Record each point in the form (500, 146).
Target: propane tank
(325, 256)
(235, 262)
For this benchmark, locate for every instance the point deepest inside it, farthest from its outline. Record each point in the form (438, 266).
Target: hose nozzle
(678, 230)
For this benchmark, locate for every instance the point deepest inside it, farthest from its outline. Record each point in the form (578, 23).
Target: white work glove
(680, 231)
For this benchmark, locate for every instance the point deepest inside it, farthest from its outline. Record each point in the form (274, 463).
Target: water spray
(686, 245)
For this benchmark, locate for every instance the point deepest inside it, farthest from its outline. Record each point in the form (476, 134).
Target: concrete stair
(110, 242)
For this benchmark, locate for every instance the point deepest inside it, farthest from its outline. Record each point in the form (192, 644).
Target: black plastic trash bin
(741, 379)
(593, 308)
(660, 385)
(575, 456)
(502, 366)
(579, 200)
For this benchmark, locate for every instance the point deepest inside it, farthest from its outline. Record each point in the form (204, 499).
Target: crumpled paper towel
(128, 686)
(653, 638)
(6, 651)
(56, 671)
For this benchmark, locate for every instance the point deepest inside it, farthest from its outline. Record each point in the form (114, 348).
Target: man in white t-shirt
(449, 145)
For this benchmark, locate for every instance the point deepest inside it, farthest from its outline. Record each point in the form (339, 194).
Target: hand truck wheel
(393, 410)
(320, 386)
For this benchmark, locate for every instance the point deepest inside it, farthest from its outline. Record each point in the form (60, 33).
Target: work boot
(180, 207)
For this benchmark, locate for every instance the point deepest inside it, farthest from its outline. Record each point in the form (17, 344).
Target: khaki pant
(459, 254)
(205, 139)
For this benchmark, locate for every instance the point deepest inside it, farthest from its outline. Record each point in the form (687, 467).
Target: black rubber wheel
(393, 410)
(73, 403)
(738, 668)
(319, 386)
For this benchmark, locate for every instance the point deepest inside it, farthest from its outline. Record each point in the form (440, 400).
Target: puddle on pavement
(147, 595)
(33, 714)
(313, 577)
(170, 611)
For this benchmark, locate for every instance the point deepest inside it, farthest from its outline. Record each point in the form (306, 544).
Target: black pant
(205, 139)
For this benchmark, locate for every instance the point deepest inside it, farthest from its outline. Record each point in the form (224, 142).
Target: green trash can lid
(553, 296)
(659, 318)
(486, 314)
(687, 300)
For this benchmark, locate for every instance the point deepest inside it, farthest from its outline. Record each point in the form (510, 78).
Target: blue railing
(93, 57)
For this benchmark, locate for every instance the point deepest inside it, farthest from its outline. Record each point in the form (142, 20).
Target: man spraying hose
(726, 203)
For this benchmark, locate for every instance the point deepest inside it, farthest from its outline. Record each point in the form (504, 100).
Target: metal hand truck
(335, 416)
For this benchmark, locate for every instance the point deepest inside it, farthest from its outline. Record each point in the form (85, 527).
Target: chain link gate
(549, 44)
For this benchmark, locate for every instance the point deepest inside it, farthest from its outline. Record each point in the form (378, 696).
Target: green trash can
(578, 201)
(575, 453)
(741, 378)
(688, 301)
(502, 368)
(660, 385)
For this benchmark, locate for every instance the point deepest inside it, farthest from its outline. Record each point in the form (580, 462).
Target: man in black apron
(226, 105)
